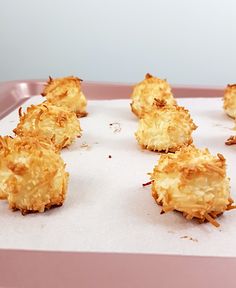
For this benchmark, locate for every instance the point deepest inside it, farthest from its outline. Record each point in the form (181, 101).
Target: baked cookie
(47, 120)
(66, 92)
(166, 128)
(193, 182)
(147, 92)
(230, 100)
(36, 178)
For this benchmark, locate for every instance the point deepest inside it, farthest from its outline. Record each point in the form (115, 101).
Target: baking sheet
(107, 209)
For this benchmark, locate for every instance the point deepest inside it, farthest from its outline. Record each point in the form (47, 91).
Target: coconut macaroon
(47, 120)
(36, 174)
(193, 182)
(5, 172)
(66, 92)
(166, 128)
(230, 100)
(146, 92)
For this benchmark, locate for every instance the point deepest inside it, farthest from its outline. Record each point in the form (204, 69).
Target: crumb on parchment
(116, 127)
(85, 146)
(189, 238)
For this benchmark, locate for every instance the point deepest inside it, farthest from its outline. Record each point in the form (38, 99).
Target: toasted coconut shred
(231, 140)
(193, 182)
(66, 92)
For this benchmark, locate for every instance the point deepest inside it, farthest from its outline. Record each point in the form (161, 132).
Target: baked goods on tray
(32, 173)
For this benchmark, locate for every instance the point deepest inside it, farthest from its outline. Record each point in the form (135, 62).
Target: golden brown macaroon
(193, 182)
(48, 120)
(66, 92)
(230, 100)
(146, 92)
(5, 172)
(37, 179)
(166, 128)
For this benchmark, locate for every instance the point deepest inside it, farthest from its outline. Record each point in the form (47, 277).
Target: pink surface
(14, 93)
(40, 269)
(54, 269)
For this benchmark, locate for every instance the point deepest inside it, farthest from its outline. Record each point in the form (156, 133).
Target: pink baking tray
(14, 93)
(19, 268)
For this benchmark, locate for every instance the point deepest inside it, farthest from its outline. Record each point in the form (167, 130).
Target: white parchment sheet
(107, 209)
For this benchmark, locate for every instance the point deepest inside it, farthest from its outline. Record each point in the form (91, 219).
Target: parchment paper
(107, 209)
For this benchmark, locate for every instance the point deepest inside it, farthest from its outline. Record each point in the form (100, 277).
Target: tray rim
(113, 83)
(114, 270)
(14, 93)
